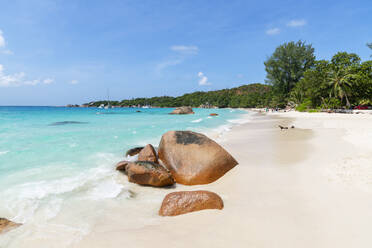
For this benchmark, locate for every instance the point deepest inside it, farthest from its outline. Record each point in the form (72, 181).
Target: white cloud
(273, 31)
(163, 65)
(181, 54)
(48, 81)
(10, 80)
(74, 81)
(2, 39)
(2, 45)
(32, 82)
(296, 23)
(185, 49)
(203, 80)
(18, 79)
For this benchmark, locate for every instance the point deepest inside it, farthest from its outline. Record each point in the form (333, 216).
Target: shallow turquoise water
(49, 155)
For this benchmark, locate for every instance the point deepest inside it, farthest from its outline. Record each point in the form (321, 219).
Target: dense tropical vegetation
(250, 95)
(294, 78)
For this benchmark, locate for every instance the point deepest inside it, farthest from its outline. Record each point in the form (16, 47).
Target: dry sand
(305, 187)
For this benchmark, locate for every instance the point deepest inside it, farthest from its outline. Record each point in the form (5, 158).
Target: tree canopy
(343, 81)
(286, 67)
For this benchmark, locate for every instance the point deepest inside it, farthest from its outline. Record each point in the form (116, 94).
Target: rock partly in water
(134, 151)
(193, 158)
(182, 111)
(183, 202)
(148, 153)
(7, 225)
(149, 173)
(61, 123)
(213, 114)
(122, 165)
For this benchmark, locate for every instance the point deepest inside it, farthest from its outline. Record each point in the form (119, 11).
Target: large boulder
(6, 225)
(183, 202)
(193, 158)
(148, 173)
(148, 153)
(134, 151)
(182, 111)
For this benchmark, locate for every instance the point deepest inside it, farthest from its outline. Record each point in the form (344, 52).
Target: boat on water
(108, 106)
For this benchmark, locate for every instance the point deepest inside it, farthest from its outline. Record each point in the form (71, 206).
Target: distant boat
(146, 106)
(101, 106)
(108, 106)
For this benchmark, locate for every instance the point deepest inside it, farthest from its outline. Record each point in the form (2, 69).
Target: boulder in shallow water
(182, 111)
(122, 165)
(148, 153)
(193, 158)
(6, 225)
(134, 151)
(183, 202)
(149, 173)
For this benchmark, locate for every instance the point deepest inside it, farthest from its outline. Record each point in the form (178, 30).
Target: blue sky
(55, 52)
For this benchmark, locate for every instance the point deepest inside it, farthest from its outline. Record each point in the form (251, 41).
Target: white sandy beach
(305, 187)
(310, 186)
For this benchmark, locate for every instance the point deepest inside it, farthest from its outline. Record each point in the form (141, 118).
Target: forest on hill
(250, 95)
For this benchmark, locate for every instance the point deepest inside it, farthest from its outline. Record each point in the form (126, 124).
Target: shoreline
(275, 197)
(303, 187)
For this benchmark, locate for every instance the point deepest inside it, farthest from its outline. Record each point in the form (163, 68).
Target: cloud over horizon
(203, 80)
(19, 79)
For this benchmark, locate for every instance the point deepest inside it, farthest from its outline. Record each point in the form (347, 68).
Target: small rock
(148, 153)
(182, 111)
(183, 202)
(133, 151)
(6, 225)
(122, 165)
(149, 173)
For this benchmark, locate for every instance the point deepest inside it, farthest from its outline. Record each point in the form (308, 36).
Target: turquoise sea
(53, 156)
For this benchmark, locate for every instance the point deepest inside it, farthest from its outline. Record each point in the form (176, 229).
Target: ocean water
(58, 163)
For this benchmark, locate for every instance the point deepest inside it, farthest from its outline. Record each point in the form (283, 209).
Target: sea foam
(197, 120)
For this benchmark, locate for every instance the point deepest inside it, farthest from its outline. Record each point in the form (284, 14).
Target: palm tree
(341, 81)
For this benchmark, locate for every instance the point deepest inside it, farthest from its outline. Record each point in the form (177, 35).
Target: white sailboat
(108, 106)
